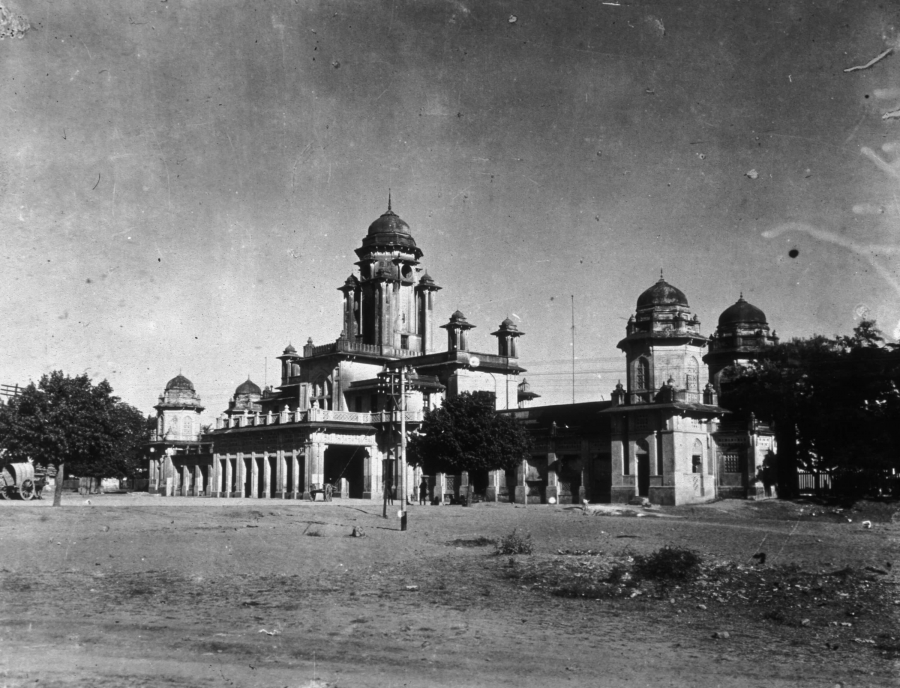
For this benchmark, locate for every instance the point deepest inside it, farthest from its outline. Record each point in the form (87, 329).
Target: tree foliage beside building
(835, 404)
(467, 434)
(72, 424)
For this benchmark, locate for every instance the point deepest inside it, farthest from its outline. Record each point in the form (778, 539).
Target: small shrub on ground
(515, 543)
(668, 564)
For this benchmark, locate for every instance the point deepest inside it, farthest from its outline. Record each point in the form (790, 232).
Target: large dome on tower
(389, 232)
(742, 312)
(390, 222)
(662, 294)
(180, 382)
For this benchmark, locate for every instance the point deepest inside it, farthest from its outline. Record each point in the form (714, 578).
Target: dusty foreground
(142, 591)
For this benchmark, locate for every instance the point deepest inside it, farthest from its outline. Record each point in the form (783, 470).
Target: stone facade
(333, 418)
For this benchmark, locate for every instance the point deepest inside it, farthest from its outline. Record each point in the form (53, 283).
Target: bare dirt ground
(143, 591)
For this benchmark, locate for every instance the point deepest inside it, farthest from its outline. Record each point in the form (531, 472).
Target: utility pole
(403, 515)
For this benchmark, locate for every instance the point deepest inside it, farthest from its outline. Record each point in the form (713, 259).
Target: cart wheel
(26, 490)
(3, 494)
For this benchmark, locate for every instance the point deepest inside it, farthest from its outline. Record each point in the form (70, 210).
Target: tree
(834, 402)
(70, 422)
(467, 434)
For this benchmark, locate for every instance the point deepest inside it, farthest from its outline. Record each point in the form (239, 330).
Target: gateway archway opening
(345, 470)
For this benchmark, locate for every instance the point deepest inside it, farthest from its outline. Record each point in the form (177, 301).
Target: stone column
(267, 475)
(552, 477)
(493, 488)
(240, 469)
(228, 488)
(153, 475)
(281, 478)
(185, 481)
(297, 464)
(521, 495)
(372, 474)
(198, 481)
(254, 476)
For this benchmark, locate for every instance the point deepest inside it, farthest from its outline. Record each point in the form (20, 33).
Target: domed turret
(248, 387)
(742, 333)
(389, 232)
(662, 294)
(742, 313)
(180, 382)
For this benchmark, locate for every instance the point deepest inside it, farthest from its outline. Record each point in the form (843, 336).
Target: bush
(668, 564)
(514, 543)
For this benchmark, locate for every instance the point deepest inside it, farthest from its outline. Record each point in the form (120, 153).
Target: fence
(807, 482)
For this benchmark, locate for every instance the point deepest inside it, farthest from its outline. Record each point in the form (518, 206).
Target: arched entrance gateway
(345, 470)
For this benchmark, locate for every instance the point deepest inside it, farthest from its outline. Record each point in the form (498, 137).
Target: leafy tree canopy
(68, 420)
(835, 403)
(467, 434)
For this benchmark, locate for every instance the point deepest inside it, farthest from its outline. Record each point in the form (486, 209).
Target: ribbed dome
(389, 223)
(180, 382)
(248, 387)
(662, 294)
(742, 312)
(289, 350)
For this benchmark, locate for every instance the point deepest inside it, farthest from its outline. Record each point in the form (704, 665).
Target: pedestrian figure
(389, 492)
(423, 491)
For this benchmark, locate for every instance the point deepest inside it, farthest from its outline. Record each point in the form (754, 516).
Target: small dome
(426, 279)
(248, 387)
(457, 317)
(742, 312)
(662, 294)
(180, 382)
(290, 350)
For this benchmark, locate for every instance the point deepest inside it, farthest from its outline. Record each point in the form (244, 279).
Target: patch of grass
(668, 564)
(515, 543)
(479, 541)
(314, 533)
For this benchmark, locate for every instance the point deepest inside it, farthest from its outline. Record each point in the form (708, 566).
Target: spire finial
(389, 200)
(742, 295)
(660, 274)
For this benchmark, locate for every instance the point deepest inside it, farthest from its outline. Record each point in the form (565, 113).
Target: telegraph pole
(403, 515)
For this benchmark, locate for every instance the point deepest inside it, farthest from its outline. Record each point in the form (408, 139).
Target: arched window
(692, 375)
(641, 374)
(697, 457)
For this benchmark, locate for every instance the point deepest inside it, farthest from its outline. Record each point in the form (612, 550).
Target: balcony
(314, 415)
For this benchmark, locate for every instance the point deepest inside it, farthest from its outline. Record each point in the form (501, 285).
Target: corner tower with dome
(662, 421)
(743, 441)
(178, 433)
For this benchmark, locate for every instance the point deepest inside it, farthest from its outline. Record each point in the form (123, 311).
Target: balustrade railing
(313, 415)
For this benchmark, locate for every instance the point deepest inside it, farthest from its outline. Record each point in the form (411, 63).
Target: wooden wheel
(26, 490)
(3, 493)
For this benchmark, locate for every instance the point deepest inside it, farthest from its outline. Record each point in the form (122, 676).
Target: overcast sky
(182, 183)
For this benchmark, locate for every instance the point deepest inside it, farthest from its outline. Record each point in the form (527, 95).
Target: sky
(183, 183)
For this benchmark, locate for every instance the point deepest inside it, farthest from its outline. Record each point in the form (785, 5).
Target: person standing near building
(423, 491)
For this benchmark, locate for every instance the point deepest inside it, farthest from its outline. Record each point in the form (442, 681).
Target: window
(731, 462)
(641, 374)
(692, 375)
(188, 427)
(697, 457)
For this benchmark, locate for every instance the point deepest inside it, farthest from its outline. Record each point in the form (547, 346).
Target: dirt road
(143, 591)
